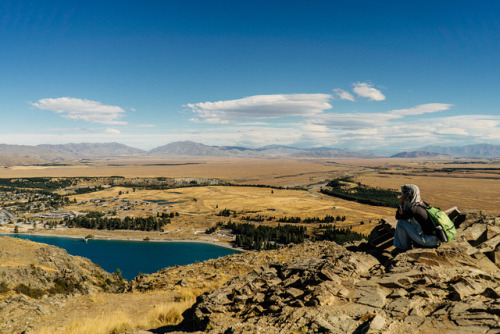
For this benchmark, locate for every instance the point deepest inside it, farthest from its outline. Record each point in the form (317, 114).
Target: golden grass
(111, 320)
(250, 171)
(169, 313)
(445, 192)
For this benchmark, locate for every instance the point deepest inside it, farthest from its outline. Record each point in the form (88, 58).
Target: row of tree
(128, 223)
(260, 237)
(43, 183)
(336, 234)
(342, 188)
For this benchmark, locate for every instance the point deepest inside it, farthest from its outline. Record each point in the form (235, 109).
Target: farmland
(261, 191)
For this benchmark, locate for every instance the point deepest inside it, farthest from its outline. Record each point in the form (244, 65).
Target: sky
(378, 76)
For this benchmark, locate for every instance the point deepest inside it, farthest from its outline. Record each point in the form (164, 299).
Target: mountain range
(71, 152)
(469, 151)
(46, 153)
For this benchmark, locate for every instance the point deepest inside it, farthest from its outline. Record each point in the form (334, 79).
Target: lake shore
(124, 235)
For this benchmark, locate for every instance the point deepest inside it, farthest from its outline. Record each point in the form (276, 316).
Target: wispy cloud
(112, 132)
(80, 109)
(352, 121)
(422, 109)
(260, 107)
(344, 95)
(366, 90)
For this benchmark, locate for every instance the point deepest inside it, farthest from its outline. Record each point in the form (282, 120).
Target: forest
(346, 188)
(261, 237)
(128, 223)
(336, 234)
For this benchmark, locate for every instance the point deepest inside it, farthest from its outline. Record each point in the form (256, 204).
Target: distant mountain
(419, 154)
(333, 154)
(74, 153)
(189, 148)
(64, 152)
(477, 150)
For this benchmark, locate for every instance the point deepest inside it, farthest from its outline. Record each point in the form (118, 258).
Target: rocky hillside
(452, 289)
(34, 277)
(314, 287)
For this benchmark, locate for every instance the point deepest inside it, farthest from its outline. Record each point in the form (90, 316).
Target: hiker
(414, 225)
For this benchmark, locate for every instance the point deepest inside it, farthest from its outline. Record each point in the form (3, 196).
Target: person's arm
(404, 214)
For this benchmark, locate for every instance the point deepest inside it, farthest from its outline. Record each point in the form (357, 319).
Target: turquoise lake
(134, 257)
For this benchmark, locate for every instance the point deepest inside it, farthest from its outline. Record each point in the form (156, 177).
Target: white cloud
(343, 95)
(85, 110)
(372, 131)
(352, 121)
(260, 107)
(112, 132)
(422, 109)
(364, 89)
(315, 128)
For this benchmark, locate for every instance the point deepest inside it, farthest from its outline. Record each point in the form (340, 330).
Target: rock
(333, 323)
(370, 294)
(466, 287)
(490, 245)
(183, 283)
(451, 289)
(294, 293)
(399, 280)
(399, 307)
(475, 234)
(477, 319)
(377, 323)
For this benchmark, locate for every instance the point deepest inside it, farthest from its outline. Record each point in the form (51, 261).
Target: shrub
(64, 286)
(29, 291)
(3, 287)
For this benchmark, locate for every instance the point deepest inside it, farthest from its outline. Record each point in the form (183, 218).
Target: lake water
(134, 257)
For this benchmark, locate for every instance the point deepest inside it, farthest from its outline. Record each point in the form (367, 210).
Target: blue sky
(382, 76)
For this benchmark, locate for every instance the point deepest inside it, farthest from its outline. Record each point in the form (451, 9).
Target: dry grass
(168, 313)
(107, 314)
(108, 323)
(445, 192)
(279, 172)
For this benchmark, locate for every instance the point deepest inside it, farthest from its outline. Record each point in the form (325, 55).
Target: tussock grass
(169, 313)
(118, 321)
(109, 323)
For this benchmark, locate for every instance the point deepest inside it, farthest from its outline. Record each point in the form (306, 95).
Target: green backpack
(442, 221)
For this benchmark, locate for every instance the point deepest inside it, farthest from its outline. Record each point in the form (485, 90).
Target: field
(467, 184)
(443, 183)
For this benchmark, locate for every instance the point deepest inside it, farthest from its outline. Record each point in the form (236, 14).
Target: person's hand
(402, 200)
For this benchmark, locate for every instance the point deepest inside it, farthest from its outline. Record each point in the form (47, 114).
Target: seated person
(414, 225)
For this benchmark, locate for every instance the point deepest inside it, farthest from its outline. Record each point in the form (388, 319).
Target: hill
(419, 155)
(192, 149)
(33, 276)
(66, 152)
(454, 288)
(324, 287)
(45, 153)
(478, 150)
